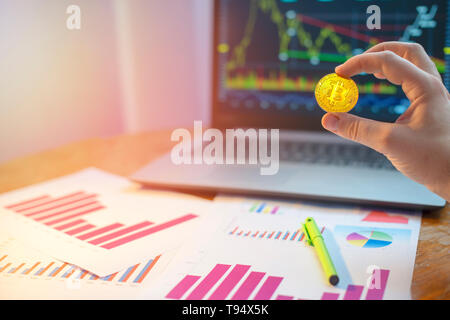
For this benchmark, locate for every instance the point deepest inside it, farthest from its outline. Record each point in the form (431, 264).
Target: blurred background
(134, 65)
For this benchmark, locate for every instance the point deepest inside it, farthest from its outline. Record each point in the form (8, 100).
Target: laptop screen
(269, 55)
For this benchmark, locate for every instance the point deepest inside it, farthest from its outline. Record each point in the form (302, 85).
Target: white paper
(361, 263)
(115, 200)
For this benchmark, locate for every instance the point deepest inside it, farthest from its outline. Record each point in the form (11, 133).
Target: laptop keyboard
(333, 154)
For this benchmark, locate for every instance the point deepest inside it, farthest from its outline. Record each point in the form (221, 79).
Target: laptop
(267, 58)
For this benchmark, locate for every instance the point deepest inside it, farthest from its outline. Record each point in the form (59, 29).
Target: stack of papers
(255, 249)
(96, 235)
(91, 225)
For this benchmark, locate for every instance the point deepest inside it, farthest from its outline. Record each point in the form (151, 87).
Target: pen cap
(311, 228)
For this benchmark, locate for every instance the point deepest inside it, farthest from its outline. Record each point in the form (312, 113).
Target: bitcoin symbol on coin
(336, 94)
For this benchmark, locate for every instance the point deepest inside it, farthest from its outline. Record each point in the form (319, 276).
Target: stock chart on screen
(271, 53)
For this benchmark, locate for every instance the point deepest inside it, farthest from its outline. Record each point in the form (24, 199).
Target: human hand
(418, 143)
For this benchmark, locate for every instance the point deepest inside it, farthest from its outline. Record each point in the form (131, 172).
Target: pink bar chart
(247, 287)
(229, 282)
(208, 282)
(223, 279)
(353, 292)
(268, 288)
(68, 213)
(377, 285)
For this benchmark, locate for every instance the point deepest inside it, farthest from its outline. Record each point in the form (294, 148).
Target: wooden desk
(125, 154)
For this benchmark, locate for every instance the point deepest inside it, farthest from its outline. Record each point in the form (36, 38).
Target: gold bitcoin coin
(336, 94)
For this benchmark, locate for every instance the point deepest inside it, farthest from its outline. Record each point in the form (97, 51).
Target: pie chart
(369, 239)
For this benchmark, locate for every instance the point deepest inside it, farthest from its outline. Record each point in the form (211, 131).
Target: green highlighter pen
(315, 239)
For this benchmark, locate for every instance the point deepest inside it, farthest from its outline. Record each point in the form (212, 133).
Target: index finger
(412, 52)
(397, 70)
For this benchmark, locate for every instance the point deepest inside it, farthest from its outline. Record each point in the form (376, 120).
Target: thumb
(373, 134)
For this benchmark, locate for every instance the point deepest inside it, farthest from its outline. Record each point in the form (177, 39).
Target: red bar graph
(283, 297)
(182, 287)
(15, 205)
(225, 282)
(48, 202)
(268, 288)
(230, 282)
(59, 205)
(63, 213)
(80, 229)
(353, 292)
(70, 224)
(378, 284)
(100, 231)
(247, 287)
(149, 231)
(329, 296)
(75, 215)
(73, 208)
(208, 282)
(119, 233)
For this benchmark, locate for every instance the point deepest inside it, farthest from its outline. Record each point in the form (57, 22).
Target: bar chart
(45, 269)
(254, 256)
(65, 214)
(283, 235)
(99, 221)
(239, 282)
(263, 207)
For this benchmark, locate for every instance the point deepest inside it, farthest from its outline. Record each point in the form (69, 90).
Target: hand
(418, 143)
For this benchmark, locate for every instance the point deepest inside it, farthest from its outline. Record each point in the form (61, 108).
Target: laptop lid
(269, 54)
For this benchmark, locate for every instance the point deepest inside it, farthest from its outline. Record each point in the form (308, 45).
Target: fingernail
(330, 122)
